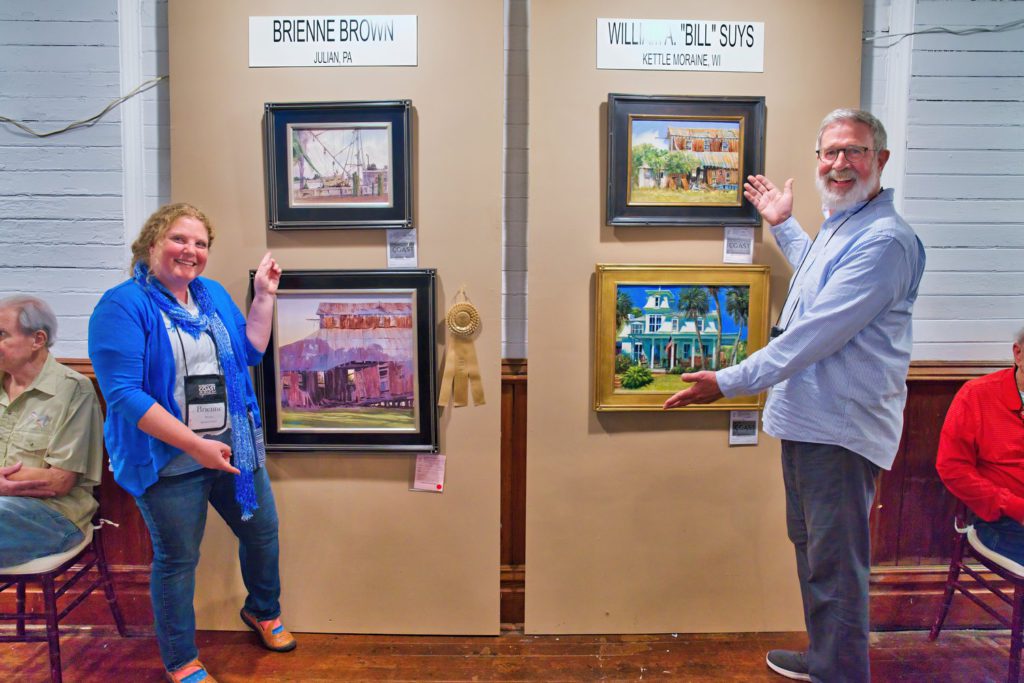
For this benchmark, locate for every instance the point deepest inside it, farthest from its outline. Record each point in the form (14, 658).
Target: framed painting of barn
(679, 160)
(656, 322)
(350, 365)
(338, 164)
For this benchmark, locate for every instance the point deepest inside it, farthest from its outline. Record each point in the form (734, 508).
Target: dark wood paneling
(513, 490)
(909, 599)
(912, 520)
(910, 524)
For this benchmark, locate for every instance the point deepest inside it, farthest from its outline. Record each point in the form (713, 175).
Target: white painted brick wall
(60, 203)
(963, 185)
(157, 113)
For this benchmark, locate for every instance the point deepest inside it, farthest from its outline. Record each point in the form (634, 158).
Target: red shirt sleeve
(957, 462)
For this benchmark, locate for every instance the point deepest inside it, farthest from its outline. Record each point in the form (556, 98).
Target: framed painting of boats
(656, 322)
(350, 365)
(338, 164)
(681, 160)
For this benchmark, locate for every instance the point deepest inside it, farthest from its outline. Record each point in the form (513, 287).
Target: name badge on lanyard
(206, 402)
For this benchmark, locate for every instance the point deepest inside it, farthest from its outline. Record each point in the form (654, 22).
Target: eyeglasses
(853, 153)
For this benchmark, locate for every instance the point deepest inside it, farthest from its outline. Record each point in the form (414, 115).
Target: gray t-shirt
(191, 357)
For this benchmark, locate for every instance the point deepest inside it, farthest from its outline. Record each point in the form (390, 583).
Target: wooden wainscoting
(911, 523)
(912, 519)
(513, 491)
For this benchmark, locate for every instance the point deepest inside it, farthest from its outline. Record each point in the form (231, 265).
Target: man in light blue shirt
(837, 364)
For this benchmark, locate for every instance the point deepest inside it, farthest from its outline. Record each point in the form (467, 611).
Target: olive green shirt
(56, 422)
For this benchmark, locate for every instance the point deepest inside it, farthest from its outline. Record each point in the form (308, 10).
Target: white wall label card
(680, 45)
(429, 473)
(402, 248)
(738, 246)
(359, 40)
(742, 427)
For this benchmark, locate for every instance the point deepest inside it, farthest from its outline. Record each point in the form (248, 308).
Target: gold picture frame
(653, 322)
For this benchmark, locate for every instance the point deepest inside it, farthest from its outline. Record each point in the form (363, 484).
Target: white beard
(859, 192)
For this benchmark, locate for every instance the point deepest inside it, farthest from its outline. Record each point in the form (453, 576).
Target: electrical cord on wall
(84, 123)
(897, 37)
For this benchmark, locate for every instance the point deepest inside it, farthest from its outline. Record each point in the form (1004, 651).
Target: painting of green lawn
(349, 418)
(661, 383)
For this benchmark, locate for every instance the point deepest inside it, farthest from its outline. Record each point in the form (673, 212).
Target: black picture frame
(336, 165)
(351, 362)
(710, 194)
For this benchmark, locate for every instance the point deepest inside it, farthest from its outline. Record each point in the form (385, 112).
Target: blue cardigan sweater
(134, 363)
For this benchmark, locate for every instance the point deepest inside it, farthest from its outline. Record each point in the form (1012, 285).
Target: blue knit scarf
(244, 455)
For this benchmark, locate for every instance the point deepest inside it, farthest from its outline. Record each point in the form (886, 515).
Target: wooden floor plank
(100, 655)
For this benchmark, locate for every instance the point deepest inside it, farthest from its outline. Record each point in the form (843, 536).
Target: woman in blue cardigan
(171, 352)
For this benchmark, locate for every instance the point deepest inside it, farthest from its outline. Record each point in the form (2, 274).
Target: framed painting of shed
(655, 322)
(679, 160)
(338, 164)
(350, 365)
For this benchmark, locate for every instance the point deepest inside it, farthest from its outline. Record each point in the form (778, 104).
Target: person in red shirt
(981, 454)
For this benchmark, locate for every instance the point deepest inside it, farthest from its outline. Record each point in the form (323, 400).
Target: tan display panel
(360, 553)
(646, 521)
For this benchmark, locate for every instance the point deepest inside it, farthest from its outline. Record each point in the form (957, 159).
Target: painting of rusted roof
(329, 348)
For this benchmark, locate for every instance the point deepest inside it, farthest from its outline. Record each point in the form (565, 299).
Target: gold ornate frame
(608, 278)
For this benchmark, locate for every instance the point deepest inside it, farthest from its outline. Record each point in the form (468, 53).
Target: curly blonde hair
(156, 227)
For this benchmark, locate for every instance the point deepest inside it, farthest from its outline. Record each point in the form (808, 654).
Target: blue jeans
(174, 509)
(1005, 536)
(829, 490)
(32, 530)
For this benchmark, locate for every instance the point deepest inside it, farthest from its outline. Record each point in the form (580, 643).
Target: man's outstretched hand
(774, 205)
(703, 390)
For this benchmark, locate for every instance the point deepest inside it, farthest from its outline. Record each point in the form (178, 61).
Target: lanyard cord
(792, 284)
(184, 356)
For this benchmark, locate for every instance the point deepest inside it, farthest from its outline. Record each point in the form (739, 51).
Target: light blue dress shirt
(839, 370)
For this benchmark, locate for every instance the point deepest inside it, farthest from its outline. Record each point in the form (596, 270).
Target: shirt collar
(1009, 394)
(45, 381)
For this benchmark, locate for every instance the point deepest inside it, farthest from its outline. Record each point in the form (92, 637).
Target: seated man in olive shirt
(51, 438)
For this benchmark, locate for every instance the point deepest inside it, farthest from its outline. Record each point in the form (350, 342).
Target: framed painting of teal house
(338, 164)
(350, 365)
(680, 160)
(655, 322)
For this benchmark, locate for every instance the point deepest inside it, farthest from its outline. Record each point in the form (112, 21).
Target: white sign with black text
(360, 40)
(742, 427)
(738, 245)
(402, 248)
(680, 45)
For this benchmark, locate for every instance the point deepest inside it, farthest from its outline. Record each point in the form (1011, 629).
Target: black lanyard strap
(776, 330)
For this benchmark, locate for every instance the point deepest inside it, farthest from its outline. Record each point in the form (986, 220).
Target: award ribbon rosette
(461, 369)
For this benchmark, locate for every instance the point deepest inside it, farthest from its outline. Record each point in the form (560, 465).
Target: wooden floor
(973, 656)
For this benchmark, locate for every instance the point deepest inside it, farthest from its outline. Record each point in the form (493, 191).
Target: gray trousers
(829, 490)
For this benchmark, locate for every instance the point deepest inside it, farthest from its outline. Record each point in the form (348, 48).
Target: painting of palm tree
(667, 330)
(693, 303)
(713, 293)
(737, 304)
(657, 324)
